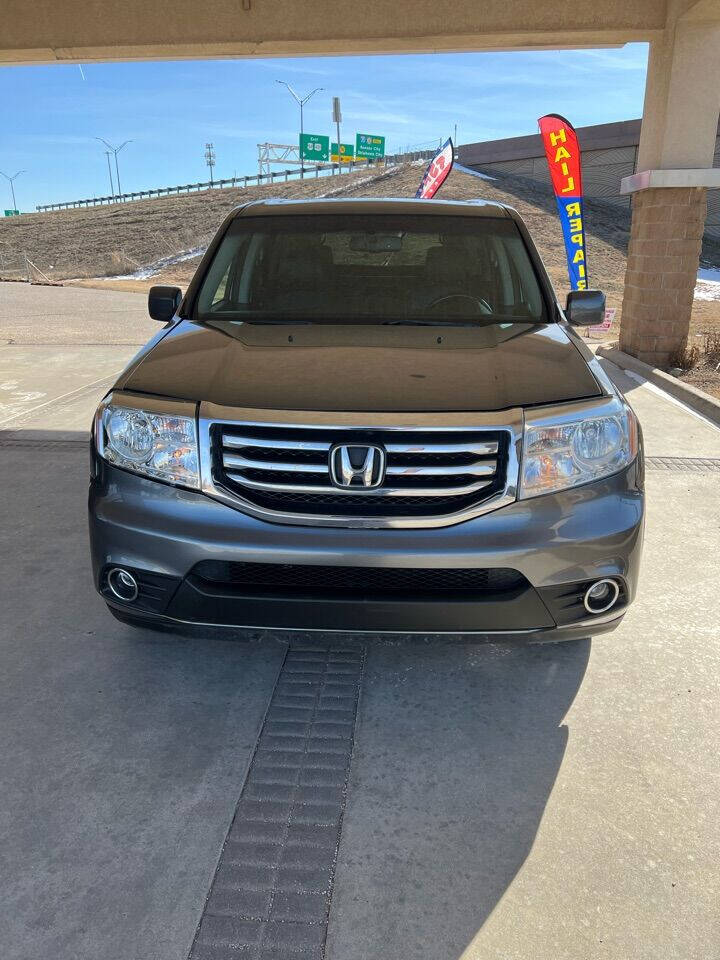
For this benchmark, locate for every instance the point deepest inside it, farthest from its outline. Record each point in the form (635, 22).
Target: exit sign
(12, 213)
(314, 147)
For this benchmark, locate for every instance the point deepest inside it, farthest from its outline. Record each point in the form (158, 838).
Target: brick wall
(665, 240)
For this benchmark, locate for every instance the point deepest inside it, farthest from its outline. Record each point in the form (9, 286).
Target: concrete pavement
(42, 315)
(62, 347)
(503, 803)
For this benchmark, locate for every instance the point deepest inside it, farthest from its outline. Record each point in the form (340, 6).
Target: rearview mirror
(163, 302)
(585, 308)
(376, 242)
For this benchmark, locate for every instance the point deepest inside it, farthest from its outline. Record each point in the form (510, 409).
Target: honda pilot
(369, 415)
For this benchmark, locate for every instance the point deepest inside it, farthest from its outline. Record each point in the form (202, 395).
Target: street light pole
(12, 185)
(112, 185)
(115, 151)
(301, 101)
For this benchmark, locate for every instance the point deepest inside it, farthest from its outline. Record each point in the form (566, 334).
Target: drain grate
(270, 897)
(22, 443)
(683, 464)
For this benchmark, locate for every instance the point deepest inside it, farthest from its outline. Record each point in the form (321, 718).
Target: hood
(364, 368)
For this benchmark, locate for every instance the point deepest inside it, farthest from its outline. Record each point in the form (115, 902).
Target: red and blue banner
(563, 156)
(437, 172)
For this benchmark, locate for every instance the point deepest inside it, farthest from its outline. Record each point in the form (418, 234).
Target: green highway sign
(12, 213)
(347, 153)
(370, 146)
(314, 147)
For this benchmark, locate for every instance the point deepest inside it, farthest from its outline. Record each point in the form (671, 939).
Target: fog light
(123, 584)
(601, 596)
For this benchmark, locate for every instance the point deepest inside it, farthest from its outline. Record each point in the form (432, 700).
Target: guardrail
(243, 182)
(258, 178)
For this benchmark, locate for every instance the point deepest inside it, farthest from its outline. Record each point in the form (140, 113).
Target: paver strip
(270, 897)
(684, 464)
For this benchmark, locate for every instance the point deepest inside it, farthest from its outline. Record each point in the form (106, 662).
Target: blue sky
(169, 110)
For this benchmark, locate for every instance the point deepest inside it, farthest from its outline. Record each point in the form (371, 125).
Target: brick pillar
(665, 240)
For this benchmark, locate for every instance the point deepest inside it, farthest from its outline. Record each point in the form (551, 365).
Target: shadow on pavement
(456, 753)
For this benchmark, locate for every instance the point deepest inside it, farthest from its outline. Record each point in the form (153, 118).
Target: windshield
(371, 269)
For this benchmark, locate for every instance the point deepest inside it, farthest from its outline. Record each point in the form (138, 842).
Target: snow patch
(157, 266)
(473, 173)
(708, 284)
(374, 178)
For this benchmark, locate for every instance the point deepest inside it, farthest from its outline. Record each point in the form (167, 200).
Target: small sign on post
(369, 146)
(12, 213)
(606, 324)
(346, 154)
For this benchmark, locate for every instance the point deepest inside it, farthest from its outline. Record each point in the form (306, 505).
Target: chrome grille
(428, 472)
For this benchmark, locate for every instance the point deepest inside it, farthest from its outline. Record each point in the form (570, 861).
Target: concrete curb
(702, 402)
(32, 283)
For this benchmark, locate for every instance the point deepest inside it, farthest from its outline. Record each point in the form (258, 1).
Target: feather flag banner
(437, 172)
(563, 156)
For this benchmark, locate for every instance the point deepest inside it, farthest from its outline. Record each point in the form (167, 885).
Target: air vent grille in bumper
(285, 579)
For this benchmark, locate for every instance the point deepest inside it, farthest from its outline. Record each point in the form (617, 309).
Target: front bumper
(556, 542)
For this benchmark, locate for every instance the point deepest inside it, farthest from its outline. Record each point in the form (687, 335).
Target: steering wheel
(481, 305)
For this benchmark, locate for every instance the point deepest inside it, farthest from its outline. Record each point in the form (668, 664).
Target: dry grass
(685, 358)
(693, 354)
(711, 347)
(117, 239)
(700, 363)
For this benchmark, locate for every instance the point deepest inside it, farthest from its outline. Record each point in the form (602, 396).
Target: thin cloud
(375, 117)
(286, 66)
(229, 132)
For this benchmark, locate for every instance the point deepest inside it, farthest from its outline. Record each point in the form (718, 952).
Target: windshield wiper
(244, 318)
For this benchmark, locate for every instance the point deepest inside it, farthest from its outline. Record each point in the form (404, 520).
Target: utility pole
(112, 185)
(115, 151)
(210, 159)
(301, 101)
(337, 119)
(12, 185)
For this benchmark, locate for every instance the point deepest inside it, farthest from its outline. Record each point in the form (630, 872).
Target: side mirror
(585, 308)
(163, 302)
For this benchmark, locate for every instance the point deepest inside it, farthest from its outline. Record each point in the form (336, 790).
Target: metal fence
(18, 266)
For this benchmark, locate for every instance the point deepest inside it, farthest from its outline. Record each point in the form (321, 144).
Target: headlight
(576, 446)
(158, 445)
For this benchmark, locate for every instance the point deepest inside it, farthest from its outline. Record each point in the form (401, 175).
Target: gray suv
(369, 415)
